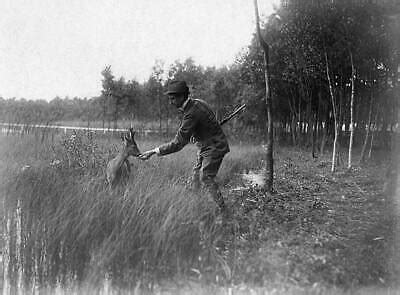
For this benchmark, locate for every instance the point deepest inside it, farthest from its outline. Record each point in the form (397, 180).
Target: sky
(52, 48)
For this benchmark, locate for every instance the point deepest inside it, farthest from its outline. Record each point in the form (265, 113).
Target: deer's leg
(128, 166)
(109, 173)
(112, 179)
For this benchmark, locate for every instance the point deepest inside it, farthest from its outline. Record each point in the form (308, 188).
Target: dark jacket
(200, 122)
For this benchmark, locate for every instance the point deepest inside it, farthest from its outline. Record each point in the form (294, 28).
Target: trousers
(204, 171)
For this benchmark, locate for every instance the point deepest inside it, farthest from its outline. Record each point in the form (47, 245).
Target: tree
(268, 100)
(155, 82)
(353, 76)
(107, 84)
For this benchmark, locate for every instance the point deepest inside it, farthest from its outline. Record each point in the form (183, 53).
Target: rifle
(227, 118)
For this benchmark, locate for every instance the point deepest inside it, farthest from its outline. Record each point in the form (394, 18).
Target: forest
(327, 62)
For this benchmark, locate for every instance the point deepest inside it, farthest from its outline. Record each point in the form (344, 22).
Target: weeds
(155, 229)
(81, 151)
(73, 226)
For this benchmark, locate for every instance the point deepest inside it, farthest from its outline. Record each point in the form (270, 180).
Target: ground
(320, 229)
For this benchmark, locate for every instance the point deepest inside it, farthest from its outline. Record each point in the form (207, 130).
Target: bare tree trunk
(373, 134)
(341, 114)
(324, 136)
(353, 73)
(334, 152)
(293, 129)
(391, 179)
(316, 125)
(364, 147)
(308, 124)
(314, 134)
(269, 172)
(293, 120)
(323, 125)
(370, 144)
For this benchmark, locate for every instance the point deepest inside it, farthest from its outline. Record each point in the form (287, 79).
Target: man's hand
(146, 155)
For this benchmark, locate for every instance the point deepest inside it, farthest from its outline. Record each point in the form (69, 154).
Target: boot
(223, 208)
(196, 185)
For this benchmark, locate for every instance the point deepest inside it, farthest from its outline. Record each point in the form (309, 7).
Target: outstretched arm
(182, 137)
(147, 154)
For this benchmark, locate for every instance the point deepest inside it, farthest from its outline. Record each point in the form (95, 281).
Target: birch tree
(353, 76)
(335, 115)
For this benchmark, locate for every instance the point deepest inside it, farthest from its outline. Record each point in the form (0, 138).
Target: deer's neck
(120, 158)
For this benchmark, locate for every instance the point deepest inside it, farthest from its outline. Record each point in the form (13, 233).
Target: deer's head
(130, 146)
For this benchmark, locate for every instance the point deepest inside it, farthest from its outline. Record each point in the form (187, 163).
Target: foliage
(80, 152)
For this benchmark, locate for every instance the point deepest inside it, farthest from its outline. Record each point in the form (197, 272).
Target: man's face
(176, 99)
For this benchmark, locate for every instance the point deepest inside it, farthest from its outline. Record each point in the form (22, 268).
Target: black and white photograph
(179, 147)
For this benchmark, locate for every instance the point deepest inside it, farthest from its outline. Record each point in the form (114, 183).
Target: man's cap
(177, 87)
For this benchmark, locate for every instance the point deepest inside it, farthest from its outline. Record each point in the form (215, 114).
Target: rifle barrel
(226, 119)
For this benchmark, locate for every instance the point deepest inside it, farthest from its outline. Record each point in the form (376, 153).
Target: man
(198, 122)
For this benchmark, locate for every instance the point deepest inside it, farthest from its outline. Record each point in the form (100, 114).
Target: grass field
(319, 233)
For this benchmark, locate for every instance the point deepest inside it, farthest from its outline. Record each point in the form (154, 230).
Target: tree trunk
(334, 152)
(132, 116)
(314, 134)
(116, 114)
(373, 134)
(324, 134)
(370, 144)
(293, 129)
(104, 109)
(269, 172)
(353, 73)
(300, 123)
(391, 175)
(308, 124)
(293, 120)
(159, 113)
(364, 147)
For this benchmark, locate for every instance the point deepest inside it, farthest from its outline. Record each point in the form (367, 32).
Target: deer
(119, 166)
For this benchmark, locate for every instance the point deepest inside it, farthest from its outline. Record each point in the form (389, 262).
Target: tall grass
(75, 229)
(64, 228)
